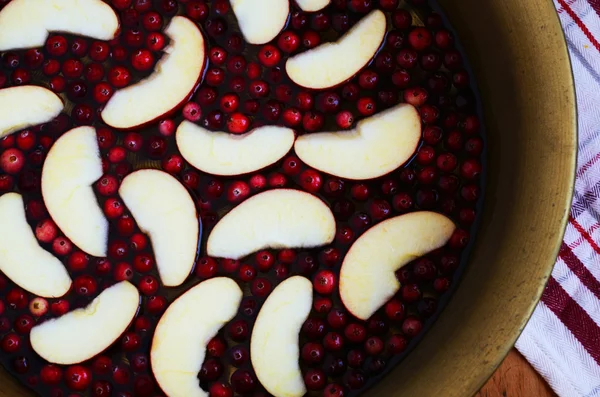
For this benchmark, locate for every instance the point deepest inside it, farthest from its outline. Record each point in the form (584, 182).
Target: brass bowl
(518, 54)
(521, 65)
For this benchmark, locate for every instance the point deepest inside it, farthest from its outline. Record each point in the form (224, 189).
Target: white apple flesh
(280, 218)
(27, 23)
(260, 21)
(72, 166)
(174, 79)
(22, 259)
(25, 106)
(312, 5)
(83, 333)
(377, 146)
(367, 277)
(274, 345)
(330, 64)
(179, 343)
(164, 210)
(221, 153)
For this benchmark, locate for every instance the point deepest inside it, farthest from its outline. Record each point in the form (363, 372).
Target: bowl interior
(518, 54)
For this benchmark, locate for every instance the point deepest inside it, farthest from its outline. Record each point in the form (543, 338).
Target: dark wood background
(516, 378)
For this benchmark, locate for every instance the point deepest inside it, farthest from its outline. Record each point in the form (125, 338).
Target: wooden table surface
(516, 378)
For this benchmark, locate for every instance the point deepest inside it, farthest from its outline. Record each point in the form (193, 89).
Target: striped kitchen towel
(562, 339)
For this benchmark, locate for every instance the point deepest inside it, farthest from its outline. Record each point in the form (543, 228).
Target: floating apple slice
(367, 279)
(83, 333)
(221, 153)
(26, 106)
(274, 344)
(174, 79)
(71, 168)
(261, 20)
(27, 23)
(378, 145)
(280, 218)
(22, 259)
(164, 210)
(331, 64)
(312, 5)
(179, 343)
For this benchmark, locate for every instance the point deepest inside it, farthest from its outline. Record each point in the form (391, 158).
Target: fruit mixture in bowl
(228, 197)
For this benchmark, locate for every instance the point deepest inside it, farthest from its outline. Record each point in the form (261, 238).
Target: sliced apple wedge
(22, 259)
(83, 333)
(367, 277)
(330, 64)
(173, 81)
(221, 153)
(280, 218)
(27, 23)
(312, 5)
(274, 345)
(26, 106)
(164, 210)
(72, 166)
(377, 146)
(260, 21)
(179, 343)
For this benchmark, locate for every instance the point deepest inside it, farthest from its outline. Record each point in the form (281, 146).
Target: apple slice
(71, 168)
(367, 277)
(165, 211)
(280, 218)
(330, 64)
(26, 106)
(312, 5)
(221, 153)
(261, 21)
(378, 145)
(22, 259)
(274, 345)
(83, 333)
(27, 23)
(179, 342)
(173, 81)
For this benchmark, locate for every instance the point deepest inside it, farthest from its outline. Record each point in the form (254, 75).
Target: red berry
(269, 55)
(78, 377)
(142, 60)
(12, 161)
(238, 123)
(324, 282)
(311, 181)
(119, 76)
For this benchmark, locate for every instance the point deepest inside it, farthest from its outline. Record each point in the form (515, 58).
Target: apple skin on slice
(221, 153)
(312, 5)
(174, 79)
(367, 277)
(27, 23)
(260, 21)
(330, 64)
(72, 166)
(280, 218)
(25, 106)
(164, 210)
(179, 343)
(83, 333)
(377, 146)
(22, 259)
(274, 345)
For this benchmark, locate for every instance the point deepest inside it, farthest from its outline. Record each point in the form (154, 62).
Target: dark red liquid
(422, 184)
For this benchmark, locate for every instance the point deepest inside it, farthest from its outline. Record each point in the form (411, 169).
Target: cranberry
(59, 307)
(155, 41)
(239, 356)
(51, 374)
(333, 341)
(292, 117)
(78, 377)
(238, 191)
(313, 328)
(243, 381)
(470, 169)
(62, 246)
(333, 390)
(288, 41)
(238, 330)
(148, 285)
(220, 390)
(238, 123)
(261, 287)
(412, 326)
(56, 46)
(85, 285)
(324, 282)
(93, 72)
(269, 55)
(156, 146)
(315, 379)
(355, 379)
(156, 304)
(142, 60)
(119, 76)
(12, 161)
(11, 343)
(407, 58)
(21, 365)
(366, 106)
(415, 96)
(101, 389)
